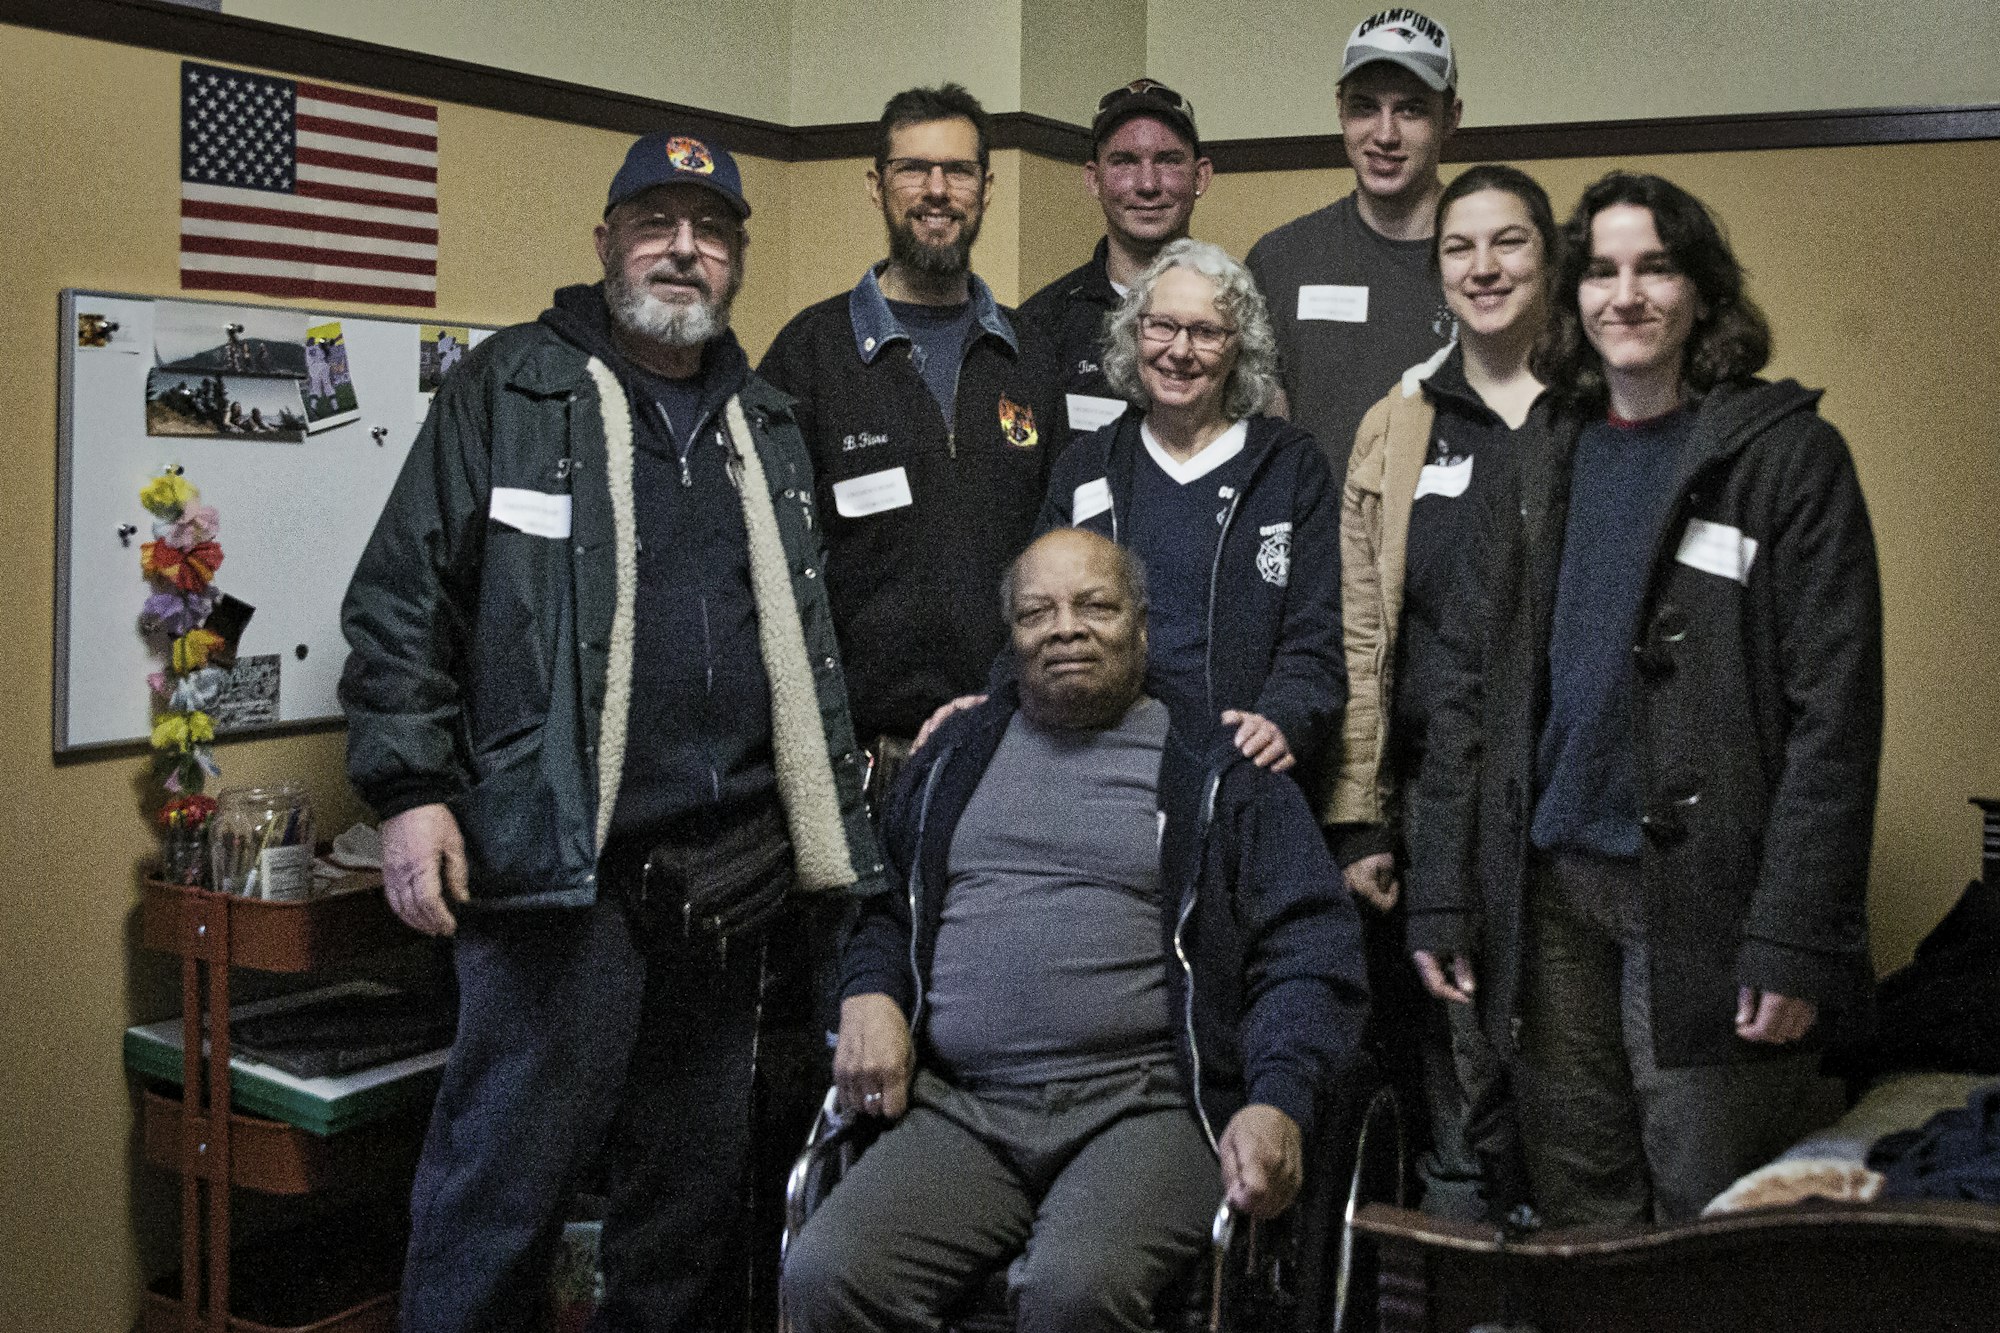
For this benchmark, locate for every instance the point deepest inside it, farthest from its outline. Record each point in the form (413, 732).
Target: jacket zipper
(1214, 582)
(1209, 791)
(916, 874)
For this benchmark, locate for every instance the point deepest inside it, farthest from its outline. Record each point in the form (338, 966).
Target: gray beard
(668, 323)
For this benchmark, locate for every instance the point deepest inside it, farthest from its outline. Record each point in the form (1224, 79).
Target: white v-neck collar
(1225, 447)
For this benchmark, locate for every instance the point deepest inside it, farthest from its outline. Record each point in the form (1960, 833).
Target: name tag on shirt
(1087, 411)
(1446, 479)
(1348, 305)
(536, 513)
(876, 493)
(1091, 499)
(1717, 548)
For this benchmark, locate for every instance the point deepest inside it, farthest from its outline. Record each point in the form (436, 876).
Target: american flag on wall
(300, 189)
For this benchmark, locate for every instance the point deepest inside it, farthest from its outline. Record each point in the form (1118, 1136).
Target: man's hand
(423, 862)
(1263, 1160)
(1372, 879)
(944, 711)
(871, 1065)
(1777, 1020)
(1260, 740)
(1457, 987)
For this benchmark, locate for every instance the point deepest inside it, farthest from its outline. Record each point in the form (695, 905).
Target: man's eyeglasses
(961, 175)
(1202, 336)
(714, 236)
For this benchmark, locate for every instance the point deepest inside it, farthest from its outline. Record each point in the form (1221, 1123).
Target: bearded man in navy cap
(595, 698)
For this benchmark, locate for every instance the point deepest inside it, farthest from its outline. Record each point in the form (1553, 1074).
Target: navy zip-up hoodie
(1263, 946)
(1274, 592)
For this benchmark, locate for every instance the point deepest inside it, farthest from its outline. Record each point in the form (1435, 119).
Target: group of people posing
(1427, 644)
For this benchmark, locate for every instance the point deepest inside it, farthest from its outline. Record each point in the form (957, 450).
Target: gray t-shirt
(1048, 961)
(1372, 307)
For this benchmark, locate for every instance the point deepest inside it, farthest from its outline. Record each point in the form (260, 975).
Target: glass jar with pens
(261, 843)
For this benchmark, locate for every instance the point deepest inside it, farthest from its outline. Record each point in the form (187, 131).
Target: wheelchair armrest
(832, 1145)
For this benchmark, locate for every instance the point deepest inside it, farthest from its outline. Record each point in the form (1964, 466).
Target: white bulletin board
(295, 505)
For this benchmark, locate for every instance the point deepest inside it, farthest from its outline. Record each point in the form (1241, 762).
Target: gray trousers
(1104, 1187)
(1609, 1135)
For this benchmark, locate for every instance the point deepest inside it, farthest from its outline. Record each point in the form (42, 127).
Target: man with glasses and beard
(594, 696)
(931, 415)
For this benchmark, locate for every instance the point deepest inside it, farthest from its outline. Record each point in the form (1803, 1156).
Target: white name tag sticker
(1446, 479)
(536, 513)
(1087, 411)
(1717, 548)
(1091, 499)
(1348, 305)
(876, 493)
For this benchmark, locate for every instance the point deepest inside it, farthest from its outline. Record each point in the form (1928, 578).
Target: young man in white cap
(1352, 295)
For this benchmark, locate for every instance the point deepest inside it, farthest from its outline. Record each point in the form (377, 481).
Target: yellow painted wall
(1872, 262)
(1267, 67)
(1253, 67)
(733, 57)
(1874, 265)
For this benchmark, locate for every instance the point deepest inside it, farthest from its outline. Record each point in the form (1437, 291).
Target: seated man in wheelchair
(1124, 955)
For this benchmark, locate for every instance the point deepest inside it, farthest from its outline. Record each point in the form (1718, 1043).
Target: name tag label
(1087, 411)
(1717, 548)
(1347, 305)
(876, 493)
(537, 513)
(1446, 479)
(1091, 499)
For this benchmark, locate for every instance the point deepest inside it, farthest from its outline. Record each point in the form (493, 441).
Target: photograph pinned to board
(439, 348)
(105, 324)
(329, 390)
(190, 403)
(249, 697)
(230, 340)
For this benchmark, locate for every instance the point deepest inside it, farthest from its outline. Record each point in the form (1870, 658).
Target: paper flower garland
(181, 560)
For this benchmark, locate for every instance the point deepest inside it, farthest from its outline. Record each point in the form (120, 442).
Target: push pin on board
(381, 434)
(126, 531)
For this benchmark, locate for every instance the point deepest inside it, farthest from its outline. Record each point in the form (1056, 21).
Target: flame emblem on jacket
(1017, 423)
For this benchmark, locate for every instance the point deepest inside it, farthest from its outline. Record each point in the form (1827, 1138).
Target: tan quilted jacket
(1382, 473)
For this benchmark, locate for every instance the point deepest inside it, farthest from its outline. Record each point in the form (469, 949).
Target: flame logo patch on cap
(690, 155)
(1017, 423)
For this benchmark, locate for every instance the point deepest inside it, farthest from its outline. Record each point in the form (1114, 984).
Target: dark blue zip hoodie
(1274, 592)
(1262, 944)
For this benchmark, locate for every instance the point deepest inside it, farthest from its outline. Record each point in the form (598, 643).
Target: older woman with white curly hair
(1234, 514)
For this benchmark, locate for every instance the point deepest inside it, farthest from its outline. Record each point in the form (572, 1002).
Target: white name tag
(1349, 305)
(1717, 548)
(1091, 499)
(1088, 412)
(536, 513)
(1446, 479)
(876, 493)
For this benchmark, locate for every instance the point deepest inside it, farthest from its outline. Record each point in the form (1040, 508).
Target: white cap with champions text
(1403, 37)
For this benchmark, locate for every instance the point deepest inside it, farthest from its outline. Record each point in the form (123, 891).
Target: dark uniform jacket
(1263, 946)
(1274, 594)
(490, 664)
(914, 584)
(1070, 312)
(1756, 725)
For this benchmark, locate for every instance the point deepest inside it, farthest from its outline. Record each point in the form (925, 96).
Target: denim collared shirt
(875, 326)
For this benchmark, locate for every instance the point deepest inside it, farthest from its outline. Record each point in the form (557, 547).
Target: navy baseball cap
(670, 158)
(1143, 97)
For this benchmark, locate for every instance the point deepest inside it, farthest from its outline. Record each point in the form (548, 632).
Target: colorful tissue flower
(189, 570)
(167, 494)
(197, 690)
(189, 812)
(196, 525)
(193, 649)
(175, 613)
(170, 733)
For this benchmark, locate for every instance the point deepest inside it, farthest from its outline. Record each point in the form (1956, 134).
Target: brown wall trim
(1635, 138)
(162, 26)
